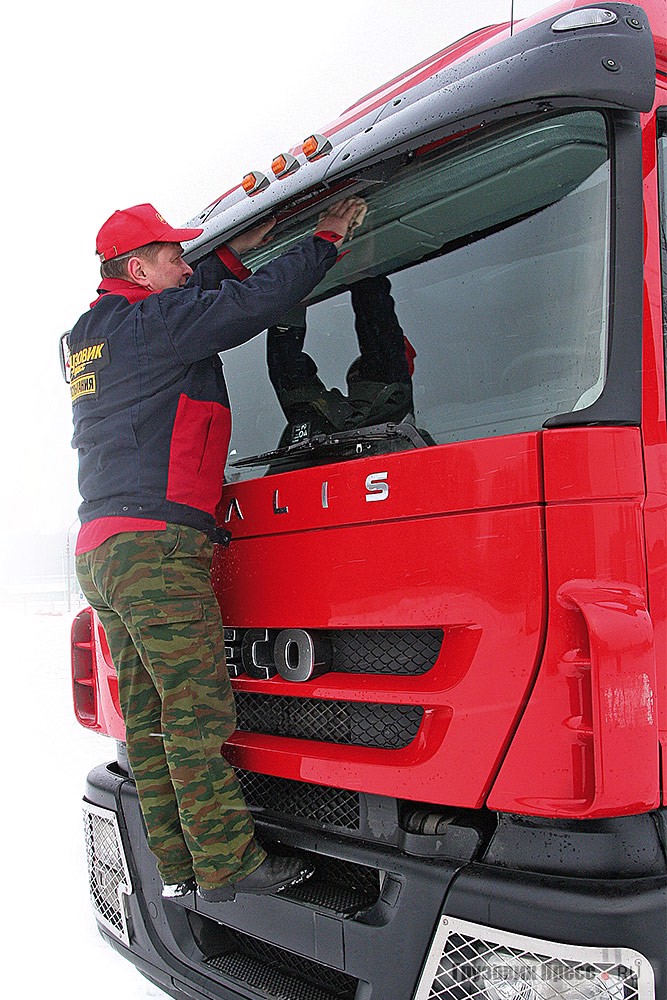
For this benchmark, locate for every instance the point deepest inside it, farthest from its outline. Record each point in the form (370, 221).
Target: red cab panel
(455, 542)
(587, 744)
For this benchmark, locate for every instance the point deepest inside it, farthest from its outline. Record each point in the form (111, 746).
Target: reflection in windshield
(378, 381)
(473, 302)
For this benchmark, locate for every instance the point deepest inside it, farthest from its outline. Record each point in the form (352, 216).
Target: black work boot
(273, 875)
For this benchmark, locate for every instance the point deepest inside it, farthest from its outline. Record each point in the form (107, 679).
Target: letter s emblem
(377, 486)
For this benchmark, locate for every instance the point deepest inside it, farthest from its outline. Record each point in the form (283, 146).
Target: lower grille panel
(277, 973)
(385, 727)
(316, 804)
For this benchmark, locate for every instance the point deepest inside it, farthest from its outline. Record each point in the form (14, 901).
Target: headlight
(508, 976)
(472, 962)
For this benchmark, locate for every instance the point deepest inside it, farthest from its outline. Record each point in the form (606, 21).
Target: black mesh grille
(343, 887)
(314, 803)
(280, 974)
(386, 727)
(409, 652)
(384, 651)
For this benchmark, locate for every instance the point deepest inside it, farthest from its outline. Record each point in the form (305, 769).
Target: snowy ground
(50, 942)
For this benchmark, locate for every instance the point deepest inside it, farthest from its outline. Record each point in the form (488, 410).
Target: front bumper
(374, 924)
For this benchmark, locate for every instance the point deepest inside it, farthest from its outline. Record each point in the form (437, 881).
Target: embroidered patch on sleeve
(85, 365)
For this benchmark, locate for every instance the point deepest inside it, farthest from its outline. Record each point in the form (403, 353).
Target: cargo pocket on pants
(182, 646)
(167, 611)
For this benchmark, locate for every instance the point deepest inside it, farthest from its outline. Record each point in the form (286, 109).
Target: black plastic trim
(622, 847)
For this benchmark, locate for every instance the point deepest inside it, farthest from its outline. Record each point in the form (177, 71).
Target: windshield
(472, 302)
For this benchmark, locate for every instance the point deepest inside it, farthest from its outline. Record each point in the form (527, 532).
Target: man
(152, 426)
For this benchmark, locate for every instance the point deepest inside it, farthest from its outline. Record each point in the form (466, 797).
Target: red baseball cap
(135, 227)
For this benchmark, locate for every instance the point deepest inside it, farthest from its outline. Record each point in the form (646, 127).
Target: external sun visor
(538, 69)
(610, 65)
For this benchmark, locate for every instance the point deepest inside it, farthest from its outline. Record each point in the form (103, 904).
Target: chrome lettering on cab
(260, 653)
(376, 485)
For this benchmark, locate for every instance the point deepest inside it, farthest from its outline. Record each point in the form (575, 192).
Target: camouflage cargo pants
(152, 592)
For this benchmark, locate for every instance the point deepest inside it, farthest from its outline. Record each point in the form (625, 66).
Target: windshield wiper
(323, 444)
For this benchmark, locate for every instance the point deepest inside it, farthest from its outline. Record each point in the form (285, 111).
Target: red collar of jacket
(119, 286)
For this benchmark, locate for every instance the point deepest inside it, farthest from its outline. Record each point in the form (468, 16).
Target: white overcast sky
(106, 105)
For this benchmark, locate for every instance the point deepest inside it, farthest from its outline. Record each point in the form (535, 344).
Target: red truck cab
(446, 625)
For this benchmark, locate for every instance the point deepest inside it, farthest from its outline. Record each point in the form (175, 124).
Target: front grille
(279, 974)
(386, 727)
(315, 804)
(407, 652)
(108, 874)
(469, 960)
(384, 651)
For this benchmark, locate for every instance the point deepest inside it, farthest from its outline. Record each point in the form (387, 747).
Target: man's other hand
(342, 218)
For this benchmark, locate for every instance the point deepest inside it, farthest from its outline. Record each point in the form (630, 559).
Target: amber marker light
(284, 164)
(255, 182)
(316, 145)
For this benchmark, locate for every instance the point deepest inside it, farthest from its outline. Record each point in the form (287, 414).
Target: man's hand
(252, 238)
(343, 217)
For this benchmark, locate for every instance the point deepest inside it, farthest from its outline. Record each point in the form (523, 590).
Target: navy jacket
(151, 410)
